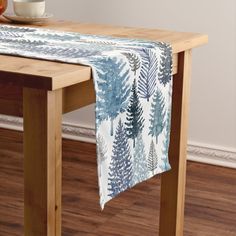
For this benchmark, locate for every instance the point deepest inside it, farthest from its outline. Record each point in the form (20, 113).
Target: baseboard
(212, 155)
(196, 152)
(69, 130)
(79, 133)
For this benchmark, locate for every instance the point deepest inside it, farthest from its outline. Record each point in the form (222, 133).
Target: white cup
(29, 8)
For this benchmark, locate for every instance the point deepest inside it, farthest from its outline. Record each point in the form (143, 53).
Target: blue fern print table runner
(133, 84)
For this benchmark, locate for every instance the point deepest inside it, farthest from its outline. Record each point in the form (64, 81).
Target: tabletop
(54, 75)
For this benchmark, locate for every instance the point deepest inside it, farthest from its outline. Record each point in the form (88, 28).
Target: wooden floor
(210, 200)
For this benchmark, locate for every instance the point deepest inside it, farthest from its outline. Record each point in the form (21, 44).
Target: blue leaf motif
(120, 169)
(112, 88)
(157, 115)
(148, 74)
(165, 73)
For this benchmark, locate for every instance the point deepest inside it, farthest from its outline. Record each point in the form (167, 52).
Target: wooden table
(41, 91)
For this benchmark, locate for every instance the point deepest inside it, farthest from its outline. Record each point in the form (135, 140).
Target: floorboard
(210, 197)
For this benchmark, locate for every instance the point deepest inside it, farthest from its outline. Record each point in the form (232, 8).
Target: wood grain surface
(42, 165)
(173, 198)
(210, 197)
(54, 75)
(74, 96)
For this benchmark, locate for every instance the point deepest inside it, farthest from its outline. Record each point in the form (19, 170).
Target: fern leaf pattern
(57, 37)
(101, 42)
(165, 73)
(133, 87)
(134, 61)
(17, 29)
(148, 74)
(7, 34)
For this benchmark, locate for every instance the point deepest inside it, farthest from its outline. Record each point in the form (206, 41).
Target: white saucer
(20, 19)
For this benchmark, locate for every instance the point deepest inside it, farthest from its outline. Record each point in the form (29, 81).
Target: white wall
(213, 90)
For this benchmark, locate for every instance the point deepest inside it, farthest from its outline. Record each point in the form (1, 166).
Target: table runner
(133, 85)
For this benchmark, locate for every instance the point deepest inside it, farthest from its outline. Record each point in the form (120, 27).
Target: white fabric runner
(133, 84)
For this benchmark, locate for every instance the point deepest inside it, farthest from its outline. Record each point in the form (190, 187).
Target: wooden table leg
(173, 182)
(42, 162)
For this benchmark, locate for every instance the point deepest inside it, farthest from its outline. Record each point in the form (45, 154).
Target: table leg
(173, 182)
(42, 162)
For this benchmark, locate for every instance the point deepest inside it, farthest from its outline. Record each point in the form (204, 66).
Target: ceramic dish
(20, 19)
